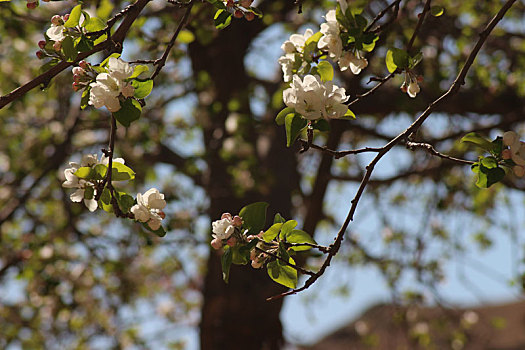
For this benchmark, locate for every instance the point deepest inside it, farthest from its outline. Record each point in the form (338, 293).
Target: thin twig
(454, 88)
(381, 14)
(298, 268)
(372, 90)
(422, 16)
(430, 149)
(340, 154)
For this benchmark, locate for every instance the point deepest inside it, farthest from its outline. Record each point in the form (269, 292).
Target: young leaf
(105, 201)
(226, 263)
(74, 17)
(325, 70)
(85, 98)
(478, 140)
(282, 273)
(121, 172)
(487, 176)
(68, 48)
(94, 24)
(349, 115)
(222, 19)
(139, 69)
(125, 201)
(390, 65)
(437, 11)
(322, 125)
(299, 236)
(129, 112)
(142, 87)
(254, 217)
(83, 172)
(278, 219)
(272, 232)
(279, 119)
(294, 124)
(240, 257)
(159, 232)
(106, 60)
(287, 227)
(414, 61)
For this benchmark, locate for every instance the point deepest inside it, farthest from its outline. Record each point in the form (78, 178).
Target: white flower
(517, 148)
(73, 181)
(314, 99)
(356, 64)
(331, 41)
(413, 89)
(223, 228)
(287, 63)
(105, 92)
(297, 41)
(149, 208)
(119, 68)
(56, 33)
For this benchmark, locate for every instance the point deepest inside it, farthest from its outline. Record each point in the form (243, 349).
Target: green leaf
(299, 236)
(390, 65)
(129, 112)
(89, 192)
(278, 219)
(139, 69)
(282, 115)
(282, 273)
(159, 232)
(240, 257)
(479, 141)
(310, 46)
(84, 172)
(325, 70)
(489, 162)
(142, 87)
(95, 24)
(105, 201)
(121, 172)
(226, 263)
(218, 4)
(125, 201)
(487, 176)
(222, 19)
(437, 11)
(294, 124)
(254, 217)
(321, 125)
(349, 115)
(100, 170)
(85, 98)
(74, 17)
(68, 48)
(272, 232)
(361, 21)
(185, 37)
(287, 227)
(314, 39)
(255, 11)
(368, 41)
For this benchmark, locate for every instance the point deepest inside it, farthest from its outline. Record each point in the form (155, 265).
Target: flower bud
(77, 71)
(76, 86)
(57, 46)
(506, 154)
(76, 78)
(216, 244)
(260, 235)
(237, 221)
(83, 64)
(253, 254)
(246, 3)
(41, 44)
(65, 17)
(32, 5)
(256, 264)
(56, 20)
(226, 216)
(229, 3)
(162, 214)
(232, 241)
(249, 16)
(40, 55)
(519, 170)
(238, 14)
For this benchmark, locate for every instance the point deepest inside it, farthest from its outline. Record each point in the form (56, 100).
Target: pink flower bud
(41, 44)
(40, 55)
(56, 20)
(57, 46)
(77, 71)
(162, 214)
(253, 254)
(246, 3)
(506, 154)
(519, 170)
(226, 216)
(65, 17)
(76, 86)
(256, 264)
(83, 64)
(232, 241)
(76, 78)
(249, 16)
(238, 14)
(237, 221)
(260, 235)
(216, 244)
(32, 5)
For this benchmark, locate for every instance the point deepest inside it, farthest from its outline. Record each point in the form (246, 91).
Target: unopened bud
(76, 86)
(238, 14)
(229, 3)
(57, 46)
(246, 3)
(226, 216)
(83, 64)
(40, 55)
(237, 221)
(253, 254)
(32, 5)
(162, 214)
(256, 264)
(506, 154)
(76, 78)
(216, 244)
(260, 235)
(249, 16)
(65, 17)
(41, 44)
(77, 71)
(232, 241)
(56, 20)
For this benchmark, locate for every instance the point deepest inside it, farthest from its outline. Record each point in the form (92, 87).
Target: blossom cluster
(224, 230)
(149, 208)
(293, 51)
(111, 86)
(56, 34)
(314, 99)
(86, 189)
(516, 152)
(240, 8)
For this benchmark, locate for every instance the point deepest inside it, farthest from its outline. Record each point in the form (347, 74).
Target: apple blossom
(331, 41)
(223, 228)
(119, 69)
(105, 92)
(413, 89)
(355, 63)
(56, 32)
(517, 148)
(149, 208)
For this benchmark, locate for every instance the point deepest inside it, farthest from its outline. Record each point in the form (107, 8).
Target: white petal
(77, 196)
(91, 204)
